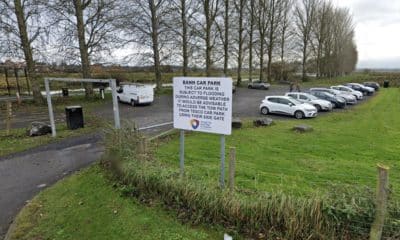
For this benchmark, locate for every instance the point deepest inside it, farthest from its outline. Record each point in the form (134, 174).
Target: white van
(134, 93)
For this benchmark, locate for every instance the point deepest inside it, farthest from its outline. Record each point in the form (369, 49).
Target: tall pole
(50, 106)
(115, 103)
(222, 179)
(182, 153)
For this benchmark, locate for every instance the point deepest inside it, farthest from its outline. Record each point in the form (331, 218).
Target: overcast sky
(377, 31)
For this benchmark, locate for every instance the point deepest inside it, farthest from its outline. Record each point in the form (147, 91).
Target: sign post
(182, 153)
(203, 105)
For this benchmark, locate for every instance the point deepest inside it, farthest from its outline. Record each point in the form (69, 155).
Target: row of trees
(255, 35)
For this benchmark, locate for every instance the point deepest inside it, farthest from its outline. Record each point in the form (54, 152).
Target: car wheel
(318, 107)
(299, 114)
(133, 103)
(264, 110)
(249, 87)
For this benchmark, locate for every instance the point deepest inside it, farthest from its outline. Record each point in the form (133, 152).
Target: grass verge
(318, 185)
(86, 206)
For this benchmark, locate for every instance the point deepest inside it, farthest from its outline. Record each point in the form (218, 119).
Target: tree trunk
(154, 38)
(240, 52)
(271, 39)
(184, 38)
(208, 36)
(226, 43)
(83, 48)
(304, 62)
(251, 40)
(27, 49)
(261, 58)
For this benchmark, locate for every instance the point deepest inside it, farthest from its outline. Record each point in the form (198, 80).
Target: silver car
(357, 94)
(350, 99)
(259, 85)
(319, 104)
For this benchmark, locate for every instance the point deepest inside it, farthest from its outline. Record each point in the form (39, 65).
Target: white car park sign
(203, 104)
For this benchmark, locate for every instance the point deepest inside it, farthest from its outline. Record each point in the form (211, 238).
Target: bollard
(381, 203)
(9, 117)
(18, 98)
(232, 162)
(142, 148)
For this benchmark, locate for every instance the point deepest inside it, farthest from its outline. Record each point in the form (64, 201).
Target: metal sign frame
(111, 82)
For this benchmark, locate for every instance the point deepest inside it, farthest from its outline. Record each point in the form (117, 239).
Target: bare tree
(261, 14)
(210, 11)
(304, 17)
(240, 7)
(251, 16)
(183, 17)
(143, 24)
(20, 22)
(285, 32)
(274, 18)
(86, 26)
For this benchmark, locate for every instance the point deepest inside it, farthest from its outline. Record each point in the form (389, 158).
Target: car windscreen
(311, 97)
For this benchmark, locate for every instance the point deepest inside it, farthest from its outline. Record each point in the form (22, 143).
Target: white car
(350, 99)
(287, 106)
(319, 104)
(135, 94)
(357, 94)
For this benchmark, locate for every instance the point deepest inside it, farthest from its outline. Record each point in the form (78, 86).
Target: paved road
(24, 174)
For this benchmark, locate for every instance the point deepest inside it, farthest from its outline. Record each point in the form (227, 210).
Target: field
(148, 77)
(343, 150)
(86, 206)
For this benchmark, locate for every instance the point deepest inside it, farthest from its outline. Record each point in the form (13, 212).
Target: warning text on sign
(203, 104)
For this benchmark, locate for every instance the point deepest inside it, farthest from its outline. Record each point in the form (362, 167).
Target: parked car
(359, 87)
(374, 85)
(319, 104)
(359, 95)
(233, 88)
(287, 106)
(259, 85)
(337, 102)
(135, 94)
(350, 99)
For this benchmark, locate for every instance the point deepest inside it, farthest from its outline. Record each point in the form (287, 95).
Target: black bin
(74, 116)
(386, 84)
(65, 92)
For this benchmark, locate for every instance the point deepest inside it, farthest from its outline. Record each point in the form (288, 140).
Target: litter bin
(386, 84)
(74, 117)
(65, 92)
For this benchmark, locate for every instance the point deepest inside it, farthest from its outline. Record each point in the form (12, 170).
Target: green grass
(86, 206)
(343, 150)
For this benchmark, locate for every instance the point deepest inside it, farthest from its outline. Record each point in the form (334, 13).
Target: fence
(14, 80)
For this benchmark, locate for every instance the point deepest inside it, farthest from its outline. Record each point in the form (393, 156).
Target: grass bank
(343, 149)
(318, 185)
(86, 206)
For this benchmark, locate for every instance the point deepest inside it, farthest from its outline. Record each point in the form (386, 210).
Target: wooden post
(27, 81)
(232, 162)
(7, 82)
(17, 79)
(9, 117)
(142, 145)
(381, 203)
